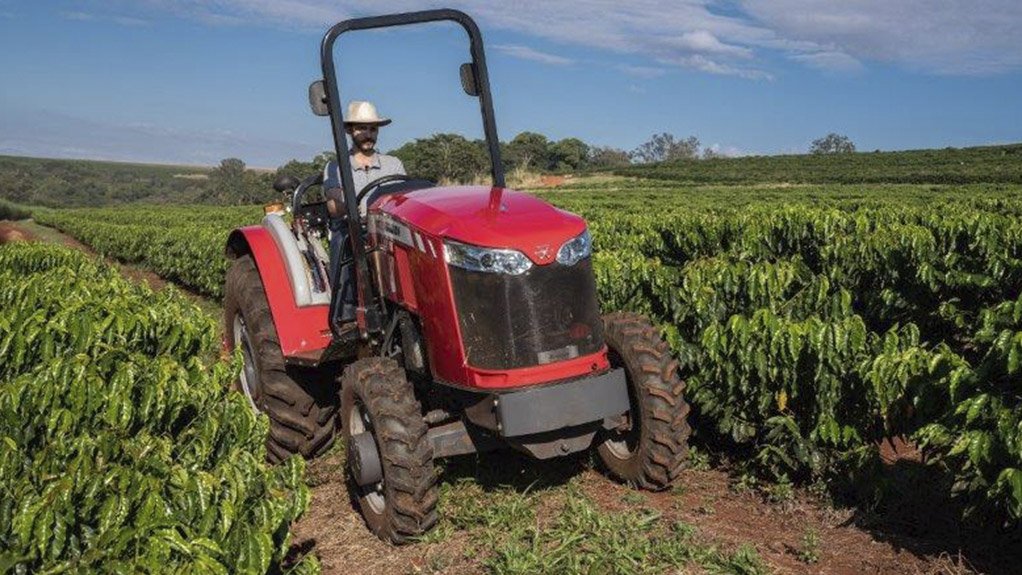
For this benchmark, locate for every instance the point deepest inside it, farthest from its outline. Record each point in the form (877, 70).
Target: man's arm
(335, 202)
(332, 190)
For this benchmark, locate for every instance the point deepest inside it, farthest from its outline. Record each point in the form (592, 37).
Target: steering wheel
(371, 186)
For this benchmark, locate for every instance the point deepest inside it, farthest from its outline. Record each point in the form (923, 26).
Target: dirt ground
(9, 233)
(27, 230)
(850, 541)
(917, 535)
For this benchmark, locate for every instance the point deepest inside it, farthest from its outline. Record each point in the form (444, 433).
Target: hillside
(986, 164)
(81, 183)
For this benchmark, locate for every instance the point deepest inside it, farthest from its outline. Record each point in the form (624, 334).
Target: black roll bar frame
(369, 312)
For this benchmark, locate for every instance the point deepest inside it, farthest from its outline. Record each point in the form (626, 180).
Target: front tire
(649, 450)
(378, 398)
(301, 403)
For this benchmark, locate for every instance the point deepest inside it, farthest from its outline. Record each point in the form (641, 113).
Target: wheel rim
(623, 441)
(249, 374)
(359, 422)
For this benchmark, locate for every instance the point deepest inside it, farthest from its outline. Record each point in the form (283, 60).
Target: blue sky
(195, 81)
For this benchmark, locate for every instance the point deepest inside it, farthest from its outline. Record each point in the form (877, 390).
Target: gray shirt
(381, 165)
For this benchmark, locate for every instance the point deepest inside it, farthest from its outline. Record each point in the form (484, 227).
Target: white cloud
(78, 16)
(712, 66)
(90, 17)
(55, 135)
(526, 53)
(973, 37)
(645, 72)
(832, 61)
(953, 37)
(703, 42)
(128, 21)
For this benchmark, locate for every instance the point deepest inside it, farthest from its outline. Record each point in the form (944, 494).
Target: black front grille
(547, 314)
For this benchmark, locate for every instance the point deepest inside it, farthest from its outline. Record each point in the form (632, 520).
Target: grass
(809, 552)
(535, 521)
(583, 538)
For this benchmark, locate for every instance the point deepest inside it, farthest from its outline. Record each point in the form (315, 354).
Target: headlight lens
(575, 249)
(479, 259)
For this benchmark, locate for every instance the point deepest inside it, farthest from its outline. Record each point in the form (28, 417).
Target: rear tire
(650, 451)
(378, 398)
(301, 403)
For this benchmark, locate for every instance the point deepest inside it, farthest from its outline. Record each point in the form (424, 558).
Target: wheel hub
(249, 375)
(366, 467)
(364, 459)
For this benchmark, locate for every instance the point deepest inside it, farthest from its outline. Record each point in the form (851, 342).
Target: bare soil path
(33, 231)
(791, 530)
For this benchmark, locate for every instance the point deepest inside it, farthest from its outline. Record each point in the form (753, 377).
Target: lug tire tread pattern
(410, 481)
(662, 449)
(302, 404)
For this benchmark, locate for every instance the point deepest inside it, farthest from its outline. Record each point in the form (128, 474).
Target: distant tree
(607, 157)
(569, 154)
(711, 153)
(444, 157)
(227, 182)
(832, 144)
(528, 150)
(297, 169)
(664, 147)
(322, 159)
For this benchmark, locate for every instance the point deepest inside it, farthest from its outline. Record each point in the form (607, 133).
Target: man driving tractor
(363, 126)
(478, 321)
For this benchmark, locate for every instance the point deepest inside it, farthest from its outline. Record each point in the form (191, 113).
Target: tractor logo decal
(543, 251)
(396, 231)
(399, 232)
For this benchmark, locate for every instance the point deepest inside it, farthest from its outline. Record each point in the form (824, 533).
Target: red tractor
(477, 327)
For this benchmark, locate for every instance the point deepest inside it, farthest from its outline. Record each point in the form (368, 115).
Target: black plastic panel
(547, 314)
(552, 407)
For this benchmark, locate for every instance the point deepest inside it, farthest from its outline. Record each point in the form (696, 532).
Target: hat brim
(380, 122)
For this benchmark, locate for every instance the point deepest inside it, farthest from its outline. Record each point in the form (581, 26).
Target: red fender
(304, 332)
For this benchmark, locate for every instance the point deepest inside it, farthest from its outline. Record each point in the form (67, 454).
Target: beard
(365, 144)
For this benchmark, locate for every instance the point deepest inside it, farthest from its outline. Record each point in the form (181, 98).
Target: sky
(196, 81)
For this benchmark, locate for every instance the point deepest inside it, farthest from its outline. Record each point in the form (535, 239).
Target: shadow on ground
(911, 506)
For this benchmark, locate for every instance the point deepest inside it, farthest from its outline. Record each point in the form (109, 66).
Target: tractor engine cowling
(501, 282)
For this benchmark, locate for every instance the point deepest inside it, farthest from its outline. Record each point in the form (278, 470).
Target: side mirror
(468, 79)
(285, 183)
(317, 98)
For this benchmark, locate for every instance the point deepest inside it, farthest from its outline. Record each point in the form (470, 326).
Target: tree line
(444, 158)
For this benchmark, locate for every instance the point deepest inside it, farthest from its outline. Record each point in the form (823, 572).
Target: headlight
(573, 250)
(478, 259)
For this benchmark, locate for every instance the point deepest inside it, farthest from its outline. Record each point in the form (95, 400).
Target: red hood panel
(470, 214)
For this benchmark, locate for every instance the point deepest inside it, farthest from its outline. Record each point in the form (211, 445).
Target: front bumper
(553, 407)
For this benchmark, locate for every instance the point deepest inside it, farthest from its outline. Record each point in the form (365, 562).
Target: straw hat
(360, 112)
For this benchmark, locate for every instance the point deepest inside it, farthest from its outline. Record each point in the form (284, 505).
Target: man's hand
(335, 202)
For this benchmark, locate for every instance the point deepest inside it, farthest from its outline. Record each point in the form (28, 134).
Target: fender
(303, 330)
(296, 266)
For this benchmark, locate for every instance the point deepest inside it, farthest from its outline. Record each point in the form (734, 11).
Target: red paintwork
(416, 276)
(301, 329)
(594, 363)
(467, 214)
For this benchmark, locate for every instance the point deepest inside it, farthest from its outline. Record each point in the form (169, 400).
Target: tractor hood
(488, 217)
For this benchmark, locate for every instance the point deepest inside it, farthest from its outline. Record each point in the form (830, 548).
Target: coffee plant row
(986, 164)
(811, 322)
(182, 244)
(121, 448)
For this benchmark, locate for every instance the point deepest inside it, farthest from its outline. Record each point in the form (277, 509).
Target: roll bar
(369, 313)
